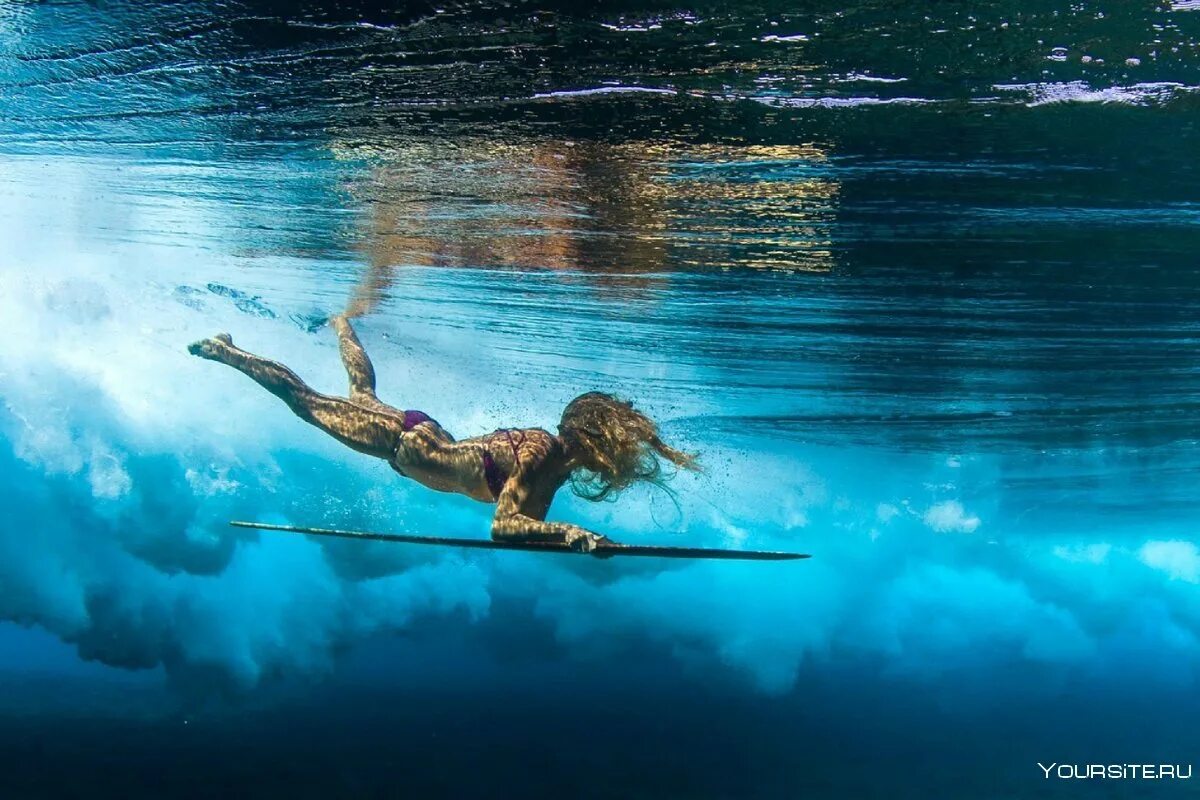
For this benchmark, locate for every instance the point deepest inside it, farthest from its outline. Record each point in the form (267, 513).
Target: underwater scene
(910, 288)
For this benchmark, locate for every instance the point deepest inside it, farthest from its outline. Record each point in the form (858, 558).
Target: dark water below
(920, 284)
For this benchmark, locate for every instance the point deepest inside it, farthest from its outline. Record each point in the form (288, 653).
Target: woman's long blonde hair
(614, 446)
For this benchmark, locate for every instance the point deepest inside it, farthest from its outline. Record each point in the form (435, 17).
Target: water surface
(919, 285)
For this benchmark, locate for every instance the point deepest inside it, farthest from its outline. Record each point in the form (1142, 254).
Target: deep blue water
(920, 285)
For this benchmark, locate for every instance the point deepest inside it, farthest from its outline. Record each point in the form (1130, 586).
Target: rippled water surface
(921, 285)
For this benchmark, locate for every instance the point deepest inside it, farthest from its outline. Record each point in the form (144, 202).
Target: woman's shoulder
(529, 439)
(516, 439)
(528, 446)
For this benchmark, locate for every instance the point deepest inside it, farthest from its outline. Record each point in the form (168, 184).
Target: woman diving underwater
(603, 445)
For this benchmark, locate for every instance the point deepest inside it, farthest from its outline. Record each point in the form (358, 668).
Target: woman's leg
(365, 429)
(358, 366)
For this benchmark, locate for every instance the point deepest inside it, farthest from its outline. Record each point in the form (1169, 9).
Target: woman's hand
(581, 540)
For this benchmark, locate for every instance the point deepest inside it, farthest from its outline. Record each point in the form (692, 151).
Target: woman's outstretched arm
(512, 522)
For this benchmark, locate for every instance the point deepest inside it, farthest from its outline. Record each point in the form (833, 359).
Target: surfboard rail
(604, 550)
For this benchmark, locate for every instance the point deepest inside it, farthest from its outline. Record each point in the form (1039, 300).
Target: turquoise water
(920, 287)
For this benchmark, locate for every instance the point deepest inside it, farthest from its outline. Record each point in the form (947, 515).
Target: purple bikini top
(492, 473)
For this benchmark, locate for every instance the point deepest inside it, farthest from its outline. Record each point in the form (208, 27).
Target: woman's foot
(213, 349)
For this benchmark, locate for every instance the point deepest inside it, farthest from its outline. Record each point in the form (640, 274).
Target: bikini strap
(492, 474)
(508, 432)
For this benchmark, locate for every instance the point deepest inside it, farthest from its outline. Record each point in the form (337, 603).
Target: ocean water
(920, 285)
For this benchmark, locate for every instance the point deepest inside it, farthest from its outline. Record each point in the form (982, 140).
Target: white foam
(604, 90)
(1180, 560)
(1039, 94)
(950, 517)
(795, 37)
(839, 102)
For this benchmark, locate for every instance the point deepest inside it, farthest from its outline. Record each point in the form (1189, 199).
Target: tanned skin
(535, 461)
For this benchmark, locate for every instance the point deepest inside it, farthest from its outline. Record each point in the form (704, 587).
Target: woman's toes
(210, 348)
